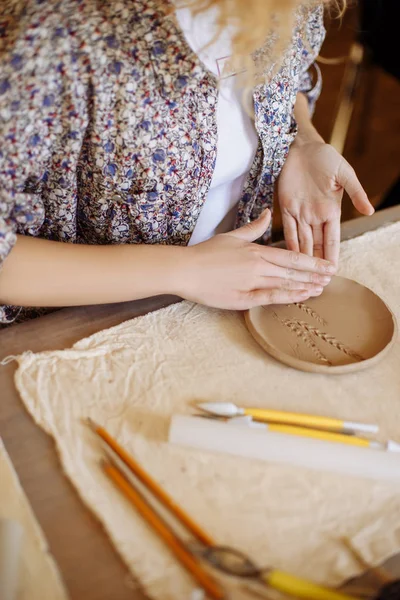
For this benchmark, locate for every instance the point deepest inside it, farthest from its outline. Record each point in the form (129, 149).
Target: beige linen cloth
(133, 377)
(38, 574)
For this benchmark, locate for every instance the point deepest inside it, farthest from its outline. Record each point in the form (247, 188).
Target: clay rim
(310, 367)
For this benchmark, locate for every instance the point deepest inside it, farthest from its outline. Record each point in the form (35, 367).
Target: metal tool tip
(197, 403)
(221, 409)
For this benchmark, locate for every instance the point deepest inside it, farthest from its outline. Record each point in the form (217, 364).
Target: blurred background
(359, 108)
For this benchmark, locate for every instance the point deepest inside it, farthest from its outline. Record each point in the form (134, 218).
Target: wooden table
(89, 564)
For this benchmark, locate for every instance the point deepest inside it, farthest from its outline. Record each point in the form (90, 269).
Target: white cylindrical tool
(207, 434)
(10, 552)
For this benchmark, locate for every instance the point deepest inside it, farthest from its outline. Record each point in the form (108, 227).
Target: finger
(290, 233)
(289, 274)
(348, 179)
(318, 240)
(296, 260)
(276, 296)
(332, 241)
(305, 238)
(254, 230)
(269, 283)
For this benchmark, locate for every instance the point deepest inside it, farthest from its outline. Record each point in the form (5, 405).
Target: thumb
(347, 179)
(254, 230)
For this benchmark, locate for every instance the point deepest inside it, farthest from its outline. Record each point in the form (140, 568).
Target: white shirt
(237, 137)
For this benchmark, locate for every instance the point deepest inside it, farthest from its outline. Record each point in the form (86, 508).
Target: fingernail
(325, 280)
(330, 269)
(319, 290)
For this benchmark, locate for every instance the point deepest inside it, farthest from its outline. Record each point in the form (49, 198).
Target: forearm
(306, 129)
(44, 273)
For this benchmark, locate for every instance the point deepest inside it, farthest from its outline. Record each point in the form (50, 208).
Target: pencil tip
(91, 423)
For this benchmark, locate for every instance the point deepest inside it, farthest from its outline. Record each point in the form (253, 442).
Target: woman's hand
(310, 191)
(230, 271)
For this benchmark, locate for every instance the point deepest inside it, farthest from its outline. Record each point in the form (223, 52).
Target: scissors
(236, 563)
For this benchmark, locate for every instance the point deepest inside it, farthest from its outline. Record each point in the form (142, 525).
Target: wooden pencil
(185, 557)
(145, 478)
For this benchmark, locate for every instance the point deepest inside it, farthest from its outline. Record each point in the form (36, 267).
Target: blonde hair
(256, 21)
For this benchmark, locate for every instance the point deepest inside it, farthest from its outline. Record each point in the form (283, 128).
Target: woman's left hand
(310, 191)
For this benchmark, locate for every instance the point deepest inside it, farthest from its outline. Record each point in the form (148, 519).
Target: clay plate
(346, 329)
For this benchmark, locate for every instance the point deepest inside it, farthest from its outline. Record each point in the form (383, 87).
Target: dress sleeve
(31, 82)
(310, 76)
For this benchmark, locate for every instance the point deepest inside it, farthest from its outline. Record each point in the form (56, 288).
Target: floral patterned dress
(108, 124)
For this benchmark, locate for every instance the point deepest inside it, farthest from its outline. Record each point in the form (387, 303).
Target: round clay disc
(346, 329)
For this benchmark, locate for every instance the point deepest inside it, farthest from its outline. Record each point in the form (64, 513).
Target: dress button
(118, 198)
(248, 220)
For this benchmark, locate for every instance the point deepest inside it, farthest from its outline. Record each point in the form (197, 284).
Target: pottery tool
(327, 436)
(126, 473)
(317, 434)
(256, 443)
(175, 544)
(149, 483)
(264, 415)
(122, 465)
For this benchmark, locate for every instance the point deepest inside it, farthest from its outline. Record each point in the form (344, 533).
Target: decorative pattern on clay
(310, 312)
(306, 337)
(307, 333)
(294, 324)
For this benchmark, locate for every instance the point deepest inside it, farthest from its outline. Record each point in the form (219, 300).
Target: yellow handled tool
(265, 415)
(300, 588)
(327, 436)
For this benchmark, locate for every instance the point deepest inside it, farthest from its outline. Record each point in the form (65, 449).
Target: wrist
(307, 135)
(173, 269)
(150, 269)
(306, 132)
(186, 271)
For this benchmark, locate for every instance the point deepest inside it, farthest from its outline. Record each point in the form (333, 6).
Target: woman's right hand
(230, 271)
